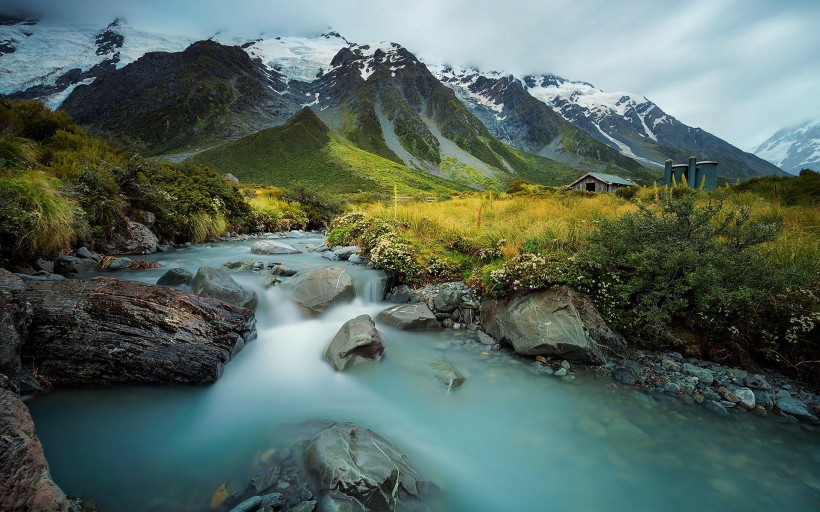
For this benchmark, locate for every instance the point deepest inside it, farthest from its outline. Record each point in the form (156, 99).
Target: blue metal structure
(697, 174)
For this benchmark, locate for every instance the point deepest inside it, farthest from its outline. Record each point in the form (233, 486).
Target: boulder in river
(353, 468)
(216, 283)
(106, 331)
(317, 290)
(176, 277)
(271, 247)
(409, 317)
(25, 480)
(74, 265)
(796, 408)
(357, 339)
(344, 252)
(446, 373)
(558, 322)
(135, 239)
(447, 300)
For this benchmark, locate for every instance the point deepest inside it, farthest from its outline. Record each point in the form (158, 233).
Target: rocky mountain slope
(793, 149)
(628, 123)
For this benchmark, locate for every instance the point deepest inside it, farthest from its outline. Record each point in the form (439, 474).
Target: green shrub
(320, 207)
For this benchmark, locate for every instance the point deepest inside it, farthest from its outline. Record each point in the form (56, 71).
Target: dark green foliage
(320, 207)
(802, 190)
(31, 119)
(98, 194)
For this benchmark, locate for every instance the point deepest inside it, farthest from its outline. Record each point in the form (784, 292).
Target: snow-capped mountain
(627, 122)
(793, 149)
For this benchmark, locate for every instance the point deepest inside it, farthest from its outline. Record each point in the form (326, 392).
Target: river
(509, 439)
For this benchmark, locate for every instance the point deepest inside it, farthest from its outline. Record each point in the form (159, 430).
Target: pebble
(746, 397)
(560, 372)
(624, 376)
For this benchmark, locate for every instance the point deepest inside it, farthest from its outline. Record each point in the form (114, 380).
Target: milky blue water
(509, 439)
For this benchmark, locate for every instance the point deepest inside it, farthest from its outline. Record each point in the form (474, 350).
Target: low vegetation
(731, 275)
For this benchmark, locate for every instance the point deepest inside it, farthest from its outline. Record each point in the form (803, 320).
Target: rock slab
(216, 283)
(357, 339)
(176, 277)
(106, 331)
(316, 290)
(271, 247)
(409, 317)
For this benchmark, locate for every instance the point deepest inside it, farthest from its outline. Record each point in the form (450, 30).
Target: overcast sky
(740, 69)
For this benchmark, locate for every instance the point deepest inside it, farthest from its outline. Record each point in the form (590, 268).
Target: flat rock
(330, 255)
(346, 251)
(796, 408)
(119, 263)
(484, 338)
(216, 283)
(317, 290)
(271, 247)
(357, 339)
(409, 317)
(106, 331)
(705, 376)
(74, 265)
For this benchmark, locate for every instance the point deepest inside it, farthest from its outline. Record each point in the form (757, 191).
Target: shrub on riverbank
(725, 274)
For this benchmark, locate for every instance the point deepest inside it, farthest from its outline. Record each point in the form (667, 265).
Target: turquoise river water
(509, 439)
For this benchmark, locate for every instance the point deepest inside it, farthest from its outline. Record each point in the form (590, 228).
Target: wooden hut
(597, 182)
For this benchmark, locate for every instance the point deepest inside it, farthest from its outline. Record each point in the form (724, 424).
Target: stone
(243, 266)
(484, 338)
(330, 255)
(270, 280)
(74, 265)
(409, 317)
(270, 247)
(447, 300)
(402, 294)
(119, 264)
(104, 331)
(558, 322)
(83, 252)
(624, 376)
(763, 398)
(25, 480)
(45, 265)
(356, 260)
(176, 277)
(264, 480)
(346, 251)
(357, 339)
(296, 234)
(796, 408)
(317, 290)
(304, 506)
(561, 372)
(14, 321)
(145, 217)
(670, 365)
(746, 397)
(705, 376)
(446, 373)
(353, 468)
(717, 408)
(756, 381)
(216, 283)
(273, 501)
(565, 364)
(135, 239)
(727, 395)
(230, 177)
(319, 248)
(281, 270)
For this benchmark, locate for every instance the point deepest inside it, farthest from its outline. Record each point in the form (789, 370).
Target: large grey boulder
(216, 283)
(796, 408)
(136, 238)
(559, 322)
(74, 265)
(409, 317)
(176, 277)
(271, 247)
(344, 252)
(106, 331)
(357, 339)
(446, 373)
(14, 319)
(317, 290)
(353, 468)
(402, 294)
(447, 301)
(25, 481)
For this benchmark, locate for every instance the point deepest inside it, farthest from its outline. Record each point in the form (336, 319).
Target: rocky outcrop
(353, 468)
(357, 339)
(409, 317)
(14, 319)
(271, 247)
(216, 283)
(135, 239)
(316, 290)
(559, 322)
(106, 331)
(25, 482)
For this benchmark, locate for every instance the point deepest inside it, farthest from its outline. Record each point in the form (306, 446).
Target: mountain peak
(308, 118)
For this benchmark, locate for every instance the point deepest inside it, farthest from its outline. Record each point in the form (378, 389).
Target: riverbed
(510, 438)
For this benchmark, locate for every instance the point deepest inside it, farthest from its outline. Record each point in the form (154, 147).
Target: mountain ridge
(793, 148)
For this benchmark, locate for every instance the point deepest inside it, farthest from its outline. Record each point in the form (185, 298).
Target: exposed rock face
(271, 247)
(316, 290)
(176, 277)
(409, 317)
(353, 468)
(105, 331)
(14, 320)
(557, 322)
(217, 284)
(25, 482)
(137, 239)
(357, 338)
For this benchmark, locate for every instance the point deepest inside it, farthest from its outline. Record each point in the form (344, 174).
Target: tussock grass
(205, 226)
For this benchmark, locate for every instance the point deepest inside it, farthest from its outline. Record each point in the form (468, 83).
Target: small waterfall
(373, 287)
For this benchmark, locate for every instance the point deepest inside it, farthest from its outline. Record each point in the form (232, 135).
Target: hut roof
(609, 179)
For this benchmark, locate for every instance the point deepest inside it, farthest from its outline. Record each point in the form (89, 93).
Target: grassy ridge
(305, 150)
